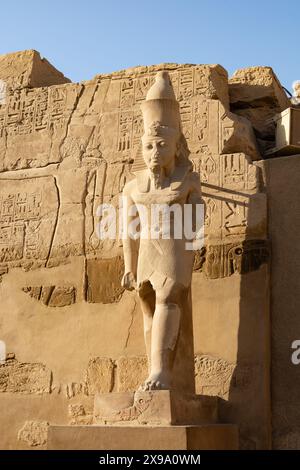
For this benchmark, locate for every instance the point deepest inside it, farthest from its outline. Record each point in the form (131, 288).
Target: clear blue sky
(83, 38)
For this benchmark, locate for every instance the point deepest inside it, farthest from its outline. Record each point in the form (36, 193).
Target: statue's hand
(128, 281)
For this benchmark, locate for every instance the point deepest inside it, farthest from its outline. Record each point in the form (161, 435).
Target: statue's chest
(162, 196)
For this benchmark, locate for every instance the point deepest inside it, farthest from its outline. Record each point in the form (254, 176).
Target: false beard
(156, 176)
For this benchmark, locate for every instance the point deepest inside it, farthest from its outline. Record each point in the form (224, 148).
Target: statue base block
(159, 407)
(152, 420)
(204, 437)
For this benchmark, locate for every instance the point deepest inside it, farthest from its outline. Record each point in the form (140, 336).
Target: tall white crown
(161, 110)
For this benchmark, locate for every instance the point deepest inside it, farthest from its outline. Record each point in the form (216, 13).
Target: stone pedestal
(204, 437)
(161, 407)
(153, 420)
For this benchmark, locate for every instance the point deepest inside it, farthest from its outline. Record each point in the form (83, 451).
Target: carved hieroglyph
(28, 217)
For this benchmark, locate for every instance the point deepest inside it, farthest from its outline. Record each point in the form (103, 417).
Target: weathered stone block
(256, 94)
(62, 296)
(78, 414)
(53, 296)
(34, 433)
(205, 437)
(131, 373)
(257, 85)
(73, 389)
(104, 280)
(217, 261)
(24, 378)
(28, 69)
(33, 210)
(100, 375)
(213, 376)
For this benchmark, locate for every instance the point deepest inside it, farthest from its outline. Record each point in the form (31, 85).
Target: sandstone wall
(283, 189)
(69, 328)
(29, 69)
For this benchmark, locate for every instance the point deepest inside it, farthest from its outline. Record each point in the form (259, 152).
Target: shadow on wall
(248, 403)
(283, 190)
(250, 393)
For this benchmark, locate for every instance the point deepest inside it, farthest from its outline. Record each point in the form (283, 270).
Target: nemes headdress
(161, 110)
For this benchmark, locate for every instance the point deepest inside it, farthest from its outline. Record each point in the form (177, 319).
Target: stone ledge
(204, 437)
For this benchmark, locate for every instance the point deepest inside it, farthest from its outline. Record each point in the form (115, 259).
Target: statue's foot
(157, 381)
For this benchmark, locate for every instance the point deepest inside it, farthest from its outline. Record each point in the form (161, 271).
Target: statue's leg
(147, 301)
(165, 330)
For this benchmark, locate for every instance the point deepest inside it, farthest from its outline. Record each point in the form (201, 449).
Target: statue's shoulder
(130, 186)
(141, 183)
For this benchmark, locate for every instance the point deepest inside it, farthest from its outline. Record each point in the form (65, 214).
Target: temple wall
(283, 189)
(69, 328)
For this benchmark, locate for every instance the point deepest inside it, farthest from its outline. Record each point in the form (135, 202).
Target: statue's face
(159, 152)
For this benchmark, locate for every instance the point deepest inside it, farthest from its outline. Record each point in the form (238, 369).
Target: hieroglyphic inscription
(229, 180)
(200, 122)
(223, 260)
(233, 169)
(41, 115)
(27, 218)
(127, 93)
(125, 131)
(188, 86)
(137, 130)
(209, 169)
(234, 217)
(228, 171)
(19, 223)
(131, 129)
(31, 110)
(200, 82)
(185, 92)
(186, 118)
(142, 85)
(228, 184)
(210, 209)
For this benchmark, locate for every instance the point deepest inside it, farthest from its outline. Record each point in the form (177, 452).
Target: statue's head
(160, 146)
(162, 139)
(296, 88)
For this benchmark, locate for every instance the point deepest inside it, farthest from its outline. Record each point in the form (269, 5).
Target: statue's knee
(169, 296)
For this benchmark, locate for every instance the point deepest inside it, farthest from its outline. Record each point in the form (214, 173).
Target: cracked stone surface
(34, 433)
(18, 377)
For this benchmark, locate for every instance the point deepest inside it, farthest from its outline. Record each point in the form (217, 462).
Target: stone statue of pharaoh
(160, 267)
